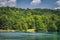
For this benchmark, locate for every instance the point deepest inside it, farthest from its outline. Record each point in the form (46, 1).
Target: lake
(29, 36)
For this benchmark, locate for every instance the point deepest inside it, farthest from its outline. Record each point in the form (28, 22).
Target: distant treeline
(42, 20)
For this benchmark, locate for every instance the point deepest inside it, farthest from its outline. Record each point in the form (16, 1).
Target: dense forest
(42, 20)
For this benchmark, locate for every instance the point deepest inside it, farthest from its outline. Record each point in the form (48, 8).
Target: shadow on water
(29, 36)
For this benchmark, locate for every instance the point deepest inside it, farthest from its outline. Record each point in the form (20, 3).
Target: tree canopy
(42, 20)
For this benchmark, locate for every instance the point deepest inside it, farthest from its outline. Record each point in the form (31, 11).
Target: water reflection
(29, 36)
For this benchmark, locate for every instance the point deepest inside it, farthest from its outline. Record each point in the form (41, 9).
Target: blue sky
(42, 4)
(31, 3)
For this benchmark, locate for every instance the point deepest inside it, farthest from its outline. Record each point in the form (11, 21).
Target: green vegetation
(41, 20)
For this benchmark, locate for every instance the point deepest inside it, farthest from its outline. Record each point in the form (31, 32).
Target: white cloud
(58, 4)
(57, 8)
(35, 2)
(10, 3)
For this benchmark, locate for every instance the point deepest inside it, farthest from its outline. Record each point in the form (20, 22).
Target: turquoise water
(29, 36)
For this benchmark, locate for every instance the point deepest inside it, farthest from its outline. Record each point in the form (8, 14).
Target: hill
(42, 20)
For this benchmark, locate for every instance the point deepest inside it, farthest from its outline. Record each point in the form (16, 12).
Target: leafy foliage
(42, 20)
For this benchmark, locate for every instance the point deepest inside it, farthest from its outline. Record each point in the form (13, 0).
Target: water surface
(29, 36)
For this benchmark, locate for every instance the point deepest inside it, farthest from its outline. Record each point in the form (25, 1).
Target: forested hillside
(42, 20)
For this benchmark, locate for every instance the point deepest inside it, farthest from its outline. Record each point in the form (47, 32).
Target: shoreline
(29, 30)
(7, 30)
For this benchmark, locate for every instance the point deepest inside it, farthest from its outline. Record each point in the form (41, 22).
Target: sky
(52, 4)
